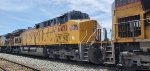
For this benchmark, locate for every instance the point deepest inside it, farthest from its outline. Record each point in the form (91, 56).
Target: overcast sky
(18, 14)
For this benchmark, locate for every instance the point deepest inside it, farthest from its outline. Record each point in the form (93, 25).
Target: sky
(20, 14)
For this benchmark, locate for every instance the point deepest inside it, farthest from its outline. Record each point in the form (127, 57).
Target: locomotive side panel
(88, 31)
(67, 33)
(2, 41)
(28, 38)
(73, 32)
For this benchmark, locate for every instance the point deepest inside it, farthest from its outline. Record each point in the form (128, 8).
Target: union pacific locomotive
(70, 36)
(131, 27)
(75, 36)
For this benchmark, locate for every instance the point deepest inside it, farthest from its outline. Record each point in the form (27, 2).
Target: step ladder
(84, 53)
(110, 54)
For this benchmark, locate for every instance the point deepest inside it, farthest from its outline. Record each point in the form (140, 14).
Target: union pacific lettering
(62, 28)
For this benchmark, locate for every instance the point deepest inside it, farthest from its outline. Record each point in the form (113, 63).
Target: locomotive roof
(72, 15)
(15, 33)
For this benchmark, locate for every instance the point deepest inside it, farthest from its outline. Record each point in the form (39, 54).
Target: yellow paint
(61, 33)
(1, 41)
(125, 11)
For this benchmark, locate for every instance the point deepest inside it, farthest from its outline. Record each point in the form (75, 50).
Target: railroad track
(53, 63)
(7, 65)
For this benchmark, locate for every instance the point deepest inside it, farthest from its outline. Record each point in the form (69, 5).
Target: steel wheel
(95, 55)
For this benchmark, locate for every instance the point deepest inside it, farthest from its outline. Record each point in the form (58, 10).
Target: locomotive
(70, 36)
(131, 24)
(75, 36)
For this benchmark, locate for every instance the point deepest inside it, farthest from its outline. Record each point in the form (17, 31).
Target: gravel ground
(1, 69)
(45, 64)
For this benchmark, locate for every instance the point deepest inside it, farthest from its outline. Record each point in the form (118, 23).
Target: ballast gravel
(1, 69)
(45, 64)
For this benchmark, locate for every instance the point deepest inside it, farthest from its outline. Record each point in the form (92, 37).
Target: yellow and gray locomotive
(69, 36)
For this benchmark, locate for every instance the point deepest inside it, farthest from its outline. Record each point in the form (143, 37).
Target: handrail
(80, 47)
(84, 37)
(91, 36)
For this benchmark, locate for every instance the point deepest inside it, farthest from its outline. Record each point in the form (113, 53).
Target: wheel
(129, 66)
(95, 55)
